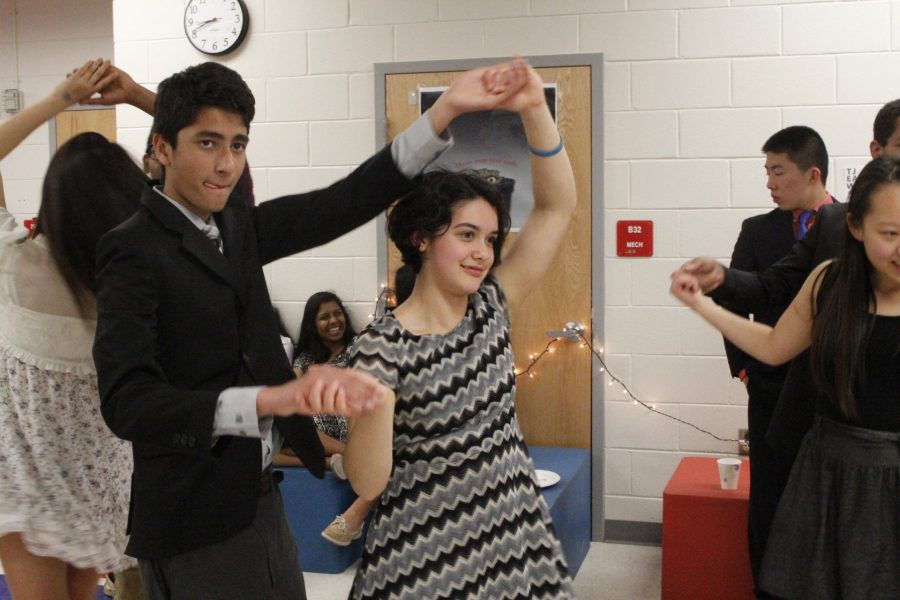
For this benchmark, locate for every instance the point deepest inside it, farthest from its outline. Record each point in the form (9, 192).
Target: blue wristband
(547, 153)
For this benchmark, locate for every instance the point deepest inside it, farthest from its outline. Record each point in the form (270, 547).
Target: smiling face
(791, 187)
(459, 259)
(205, 165)
(880, 235)
(331, 322)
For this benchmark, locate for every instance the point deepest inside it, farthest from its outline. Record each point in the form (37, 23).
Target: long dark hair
(90, 187)
(427, 211)
(308, 340)
(846, 302)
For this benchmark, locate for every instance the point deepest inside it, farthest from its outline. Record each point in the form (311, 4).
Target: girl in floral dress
(64, 477)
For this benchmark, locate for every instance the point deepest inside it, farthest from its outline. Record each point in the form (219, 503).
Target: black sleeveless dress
(837, 530)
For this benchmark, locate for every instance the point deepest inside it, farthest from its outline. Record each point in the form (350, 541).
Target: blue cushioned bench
(311, 504)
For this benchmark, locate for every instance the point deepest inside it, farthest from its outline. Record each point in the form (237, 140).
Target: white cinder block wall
(41, 41)
(692, 90)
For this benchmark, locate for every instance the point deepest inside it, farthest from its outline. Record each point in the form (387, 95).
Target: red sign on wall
(634, 238)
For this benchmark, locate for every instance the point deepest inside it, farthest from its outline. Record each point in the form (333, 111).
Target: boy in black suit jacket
(796, 171)
(190, 364)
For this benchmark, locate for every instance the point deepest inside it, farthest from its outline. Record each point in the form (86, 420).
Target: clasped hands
(513, 85)
(695, 278)
(323, 389)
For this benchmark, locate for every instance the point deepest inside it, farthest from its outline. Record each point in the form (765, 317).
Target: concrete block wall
(41, 41)
(692, 89)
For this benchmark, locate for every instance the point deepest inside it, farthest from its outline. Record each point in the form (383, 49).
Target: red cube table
(704, 552)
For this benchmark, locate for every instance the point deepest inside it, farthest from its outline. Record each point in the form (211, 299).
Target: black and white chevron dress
(462, 515)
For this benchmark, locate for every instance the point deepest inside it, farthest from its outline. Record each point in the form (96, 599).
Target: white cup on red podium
(729, 473)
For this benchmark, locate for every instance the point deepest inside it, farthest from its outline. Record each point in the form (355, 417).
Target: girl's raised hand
(84, 81)
(531, 91)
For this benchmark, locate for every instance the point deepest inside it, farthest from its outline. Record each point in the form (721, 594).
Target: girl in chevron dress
(460, 512)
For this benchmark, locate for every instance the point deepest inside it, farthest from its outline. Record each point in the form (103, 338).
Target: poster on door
(491, 144)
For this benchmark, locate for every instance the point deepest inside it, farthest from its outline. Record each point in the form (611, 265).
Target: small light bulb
(634, 401)
(602, 369)
(610, 382)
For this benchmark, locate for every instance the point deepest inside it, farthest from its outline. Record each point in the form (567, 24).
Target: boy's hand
(323, 389)
(120, 88)
(708, 272)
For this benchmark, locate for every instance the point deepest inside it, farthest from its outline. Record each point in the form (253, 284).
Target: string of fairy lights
(612, 380)
(572, 332)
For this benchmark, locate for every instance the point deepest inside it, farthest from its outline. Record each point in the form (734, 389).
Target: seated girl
(325, 332)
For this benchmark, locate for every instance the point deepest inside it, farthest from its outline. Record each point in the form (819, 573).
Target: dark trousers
(260, 562)
(768, 471)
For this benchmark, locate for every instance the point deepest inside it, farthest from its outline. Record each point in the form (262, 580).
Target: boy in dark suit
(796, 171)
(190, 364)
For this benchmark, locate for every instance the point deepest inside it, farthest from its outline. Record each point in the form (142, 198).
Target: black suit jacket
(178, 322)
(750, 292)
(763, 240)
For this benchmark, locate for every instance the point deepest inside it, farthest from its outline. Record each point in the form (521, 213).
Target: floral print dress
(64, 477)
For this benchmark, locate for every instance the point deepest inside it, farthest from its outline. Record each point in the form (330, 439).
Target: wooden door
(554, 406)
(70, 123)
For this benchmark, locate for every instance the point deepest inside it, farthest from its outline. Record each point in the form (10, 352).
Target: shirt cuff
(724, 292)
(418, 146)
(236, 414)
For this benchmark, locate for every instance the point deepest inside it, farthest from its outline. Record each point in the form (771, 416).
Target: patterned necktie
(212, 232)
(803, 223)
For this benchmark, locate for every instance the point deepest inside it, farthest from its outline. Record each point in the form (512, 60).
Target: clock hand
(205, 23)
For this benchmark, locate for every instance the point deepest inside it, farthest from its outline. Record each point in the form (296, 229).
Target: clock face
(216, 26)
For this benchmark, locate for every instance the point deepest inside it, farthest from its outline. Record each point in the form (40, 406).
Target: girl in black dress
(837, 530)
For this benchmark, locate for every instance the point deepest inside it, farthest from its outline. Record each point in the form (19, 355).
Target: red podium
(704, 554)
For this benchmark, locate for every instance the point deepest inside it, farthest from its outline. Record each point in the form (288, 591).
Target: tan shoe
(337, 466)
(338, 532)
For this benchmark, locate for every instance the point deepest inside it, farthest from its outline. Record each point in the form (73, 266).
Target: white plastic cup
(729, 473)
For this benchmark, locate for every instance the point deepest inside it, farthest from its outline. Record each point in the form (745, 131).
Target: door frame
(595, 62)
(70, 113)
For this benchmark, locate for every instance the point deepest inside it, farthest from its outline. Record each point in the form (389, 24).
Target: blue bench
(311, 504)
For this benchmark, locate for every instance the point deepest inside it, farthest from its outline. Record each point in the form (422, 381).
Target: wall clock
(216, 26)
